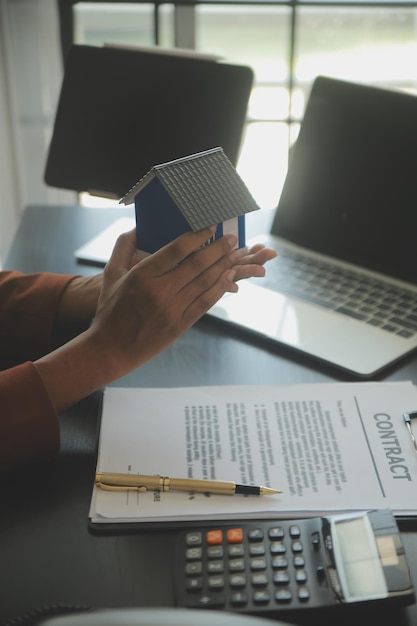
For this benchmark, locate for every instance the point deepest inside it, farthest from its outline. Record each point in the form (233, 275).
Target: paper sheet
(329, 447)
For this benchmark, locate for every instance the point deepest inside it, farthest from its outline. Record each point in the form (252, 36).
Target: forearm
(76, 309)
(78, 368)
(78, 302)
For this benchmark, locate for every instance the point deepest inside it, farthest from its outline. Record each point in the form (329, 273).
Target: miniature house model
(190, 193)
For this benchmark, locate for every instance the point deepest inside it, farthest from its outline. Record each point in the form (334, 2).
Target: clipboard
(265, 435)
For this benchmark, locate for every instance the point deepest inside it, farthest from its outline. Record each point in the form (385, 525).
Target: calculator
(267, 567)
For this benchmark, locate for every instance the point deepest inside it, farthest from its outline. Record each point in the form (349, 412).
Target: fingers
(205, 291)
(256, 254)
(196, 282)
(190, 271)
(251, 261)
(207, 257)
(253, 270)
(211, 275)
(171, 255)
(138, 256)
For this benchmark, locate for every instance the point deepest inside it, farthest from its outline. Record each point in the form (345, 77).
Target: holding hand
(79, 301)
(143, 306)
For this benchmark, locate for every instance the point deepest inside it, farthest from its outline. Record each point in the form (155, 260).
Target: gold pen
(136, 482)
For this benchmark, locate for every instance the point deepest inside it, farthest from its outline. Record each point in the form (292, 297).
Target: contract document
(329, 447)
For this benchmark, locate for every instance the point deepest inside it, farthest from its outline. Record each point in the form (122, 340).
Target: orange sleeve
(28, 308)
(29, 430)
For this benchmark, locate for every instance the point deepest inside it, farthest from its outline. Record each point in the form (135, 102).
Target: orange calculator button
(235, 535)
(214, 537)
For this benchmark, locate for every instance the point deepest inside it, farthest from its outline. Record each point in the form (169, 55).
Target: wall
(30, 79)
(9, 193)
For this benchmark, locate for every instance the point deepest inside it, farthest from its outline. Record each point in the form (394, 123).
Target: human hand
(251, 261)
(147, 303)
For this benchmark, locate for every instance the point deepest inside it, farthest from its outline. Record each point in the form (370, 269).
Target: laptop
(343, 288)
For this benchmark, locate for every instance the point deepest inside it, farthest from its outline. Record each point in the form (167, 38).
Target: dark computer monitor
(122, 111)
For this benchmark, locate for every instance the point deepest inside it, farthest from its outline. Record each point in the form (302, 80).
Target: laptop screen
(351, 187)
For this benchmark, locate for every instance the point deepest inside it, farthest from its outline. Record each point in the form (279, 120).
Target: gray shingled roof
(205, 187)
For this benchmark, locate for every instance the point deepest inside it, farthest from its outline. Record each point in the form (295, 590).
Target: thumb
(123, 252)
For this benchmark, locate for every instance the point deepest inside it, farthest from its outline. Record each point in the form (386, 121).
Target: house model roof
(205, 187)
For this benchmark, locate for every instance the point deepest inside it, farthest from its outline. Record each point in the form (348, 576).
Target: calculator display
(365, 557)
(358, 560)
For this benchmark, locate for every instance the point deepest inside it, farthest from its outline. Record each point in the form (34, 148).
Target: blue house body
(190, 194)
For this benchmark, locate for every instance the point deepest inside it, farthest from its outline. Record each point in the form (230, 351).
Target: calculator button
(299, 561)
(315, 540)
(193, 554)
(214, 537)
(193, 568)
(206, 600)
(193, 539)
(237, 580)
(215, 567)
(297, 546)
(194, 584)
(281, 578)
(279, 562)
(283, 595)
(259, 580)
(214, 552)
(255, 534)
(300, 576)
(239, 598)
(216, 582)
(235, 535)
(277, 532)
(261, 597)
(295, 531)
(236, 549)
(321, 574)
(257, 549)
(303, 594)
(236, 565)
(278, 547)
(257, 564)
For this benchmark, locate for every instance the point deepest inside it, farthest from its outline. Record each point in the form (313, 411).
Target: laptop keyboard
(364, 298)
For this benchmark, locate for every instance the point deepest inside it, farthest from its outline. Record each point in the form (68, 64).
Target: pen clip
(407, 419)
(107, 487)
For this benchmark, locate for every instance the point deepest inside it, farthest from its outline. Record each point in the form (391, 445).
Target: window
(287, 43)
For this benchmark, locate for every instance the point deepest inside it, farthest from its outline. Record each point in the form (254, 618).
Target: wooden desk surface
(48, 555)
